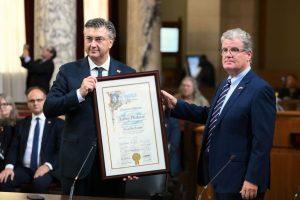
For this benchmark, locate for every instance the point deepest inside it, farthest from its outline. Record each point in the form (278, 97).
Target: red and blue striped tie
(216, 113)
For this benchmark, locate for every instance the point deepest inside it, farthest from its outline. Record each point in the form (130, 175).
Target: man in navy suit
(72, 95)
(33, 154)
(239, 125)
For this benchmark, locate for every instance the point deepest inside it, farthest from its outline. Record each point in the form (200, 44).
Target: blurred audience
(39, 71)
(7, 123)
(182, 142)
(33, 153)
(289, 89)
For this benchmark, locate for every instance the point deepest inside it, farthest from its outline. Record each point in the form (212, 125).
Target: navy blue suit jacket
(80, 126)
(245, 129)
(50, 142)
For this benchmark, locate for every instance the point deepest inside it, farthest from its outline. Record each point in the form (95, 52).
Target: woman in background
(181, 142)
(189, 92)
(7, 123)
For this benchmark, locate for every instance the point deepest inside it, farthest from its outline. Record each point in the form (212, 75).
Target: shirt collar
(41, 116)
(240, 76)
(105, 65)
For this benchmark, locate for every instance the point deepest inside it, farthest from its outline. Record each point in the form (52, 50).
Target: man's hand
(168, 100)
(41, 171)
(131, 178)
(26, 51)
(5, 174)
(249, 190)
(88, 84)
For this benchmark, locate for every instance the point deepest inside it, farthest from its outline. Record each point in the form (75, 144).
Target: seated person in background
(39, 71)
(289, 90)
(189, 92)
(33, 154)
(7, 123)
(182, 142)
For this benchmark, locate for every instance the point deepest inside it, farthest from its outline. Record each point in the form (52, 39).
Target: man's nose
(93, 43)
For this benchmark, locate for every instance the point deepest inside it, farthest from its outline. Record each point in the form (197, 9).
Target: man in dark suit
(33, 154)
(39, 71)
(239, 125)
(71, 94)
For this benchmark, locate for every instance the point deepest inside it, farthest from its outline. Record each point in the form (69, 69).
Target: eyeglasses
(97, 39)
(35, 100)
(233, 51)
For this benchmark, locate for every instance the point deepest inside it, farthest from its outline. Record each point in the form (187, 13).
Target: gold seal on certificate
(136, 157)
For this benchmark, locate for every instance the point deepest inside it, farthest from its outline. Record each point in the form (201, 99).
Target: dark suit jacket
(6, 134)
(49, 146)
(245, 129)
(80, 128)
(39, 73)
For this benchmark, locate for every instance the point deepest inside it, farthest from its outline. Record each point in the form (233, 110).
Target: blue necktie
(100, 70)
(216, 113)
(35, 145)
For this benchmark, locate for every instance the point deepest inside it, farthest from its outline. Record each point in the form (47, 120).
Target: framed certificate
(129, 120)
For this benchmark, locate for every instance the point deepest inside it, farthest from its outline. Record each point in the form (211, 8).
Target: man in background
(33, 154)
(206, 77)
(39, 72)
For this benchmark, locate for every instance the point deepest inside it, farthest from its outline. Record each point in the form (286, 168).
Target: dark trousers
(25, 175)
(93, 185)
(235, 196)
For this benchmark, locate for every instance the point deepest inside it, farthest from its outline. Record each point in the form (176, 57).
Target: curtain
(12, 39)
(94, 9)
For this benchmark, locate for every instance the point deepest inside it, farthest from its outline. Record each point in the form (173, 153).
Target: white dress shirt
(94, 73)
(234, 83)
(28, 150)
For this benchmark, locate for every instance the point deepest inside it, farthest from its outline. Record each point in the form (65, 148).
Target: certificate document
(131, 136)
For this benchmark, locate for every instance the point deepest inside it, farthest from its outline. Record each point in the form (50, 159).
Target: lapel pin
(240, 88)
(118, 71)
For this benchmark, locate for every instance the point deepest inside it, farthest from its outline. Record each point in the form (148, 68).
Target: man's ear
(111, 42)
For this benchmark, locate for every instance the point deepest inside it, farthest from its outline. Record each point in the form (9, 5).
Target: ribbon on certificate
(136, 157)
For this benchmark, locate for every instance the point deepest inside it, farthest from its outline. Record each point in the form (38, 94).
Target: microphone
(83, 164)
(219, 172)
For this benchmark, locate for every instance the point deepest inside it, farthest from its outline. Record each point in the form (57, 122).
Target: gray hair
(198, 98)
(238, 33)
(11, 120)
(100, 22)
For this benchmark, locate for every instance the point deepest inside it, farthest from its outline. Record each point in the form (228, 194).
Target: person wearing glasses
(235, 152)
(39, 72)
(7, 123)
(33, 154)
(72, 95)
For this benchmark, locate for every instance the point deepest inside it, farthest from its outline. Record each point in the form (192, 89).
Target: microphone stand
(219, 172)
(76, 178)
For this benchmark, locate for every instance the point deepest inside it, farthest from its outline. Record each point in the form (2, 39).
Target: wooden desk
(285, 159)
(208, 193)
(291, 104)
(23, 196)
